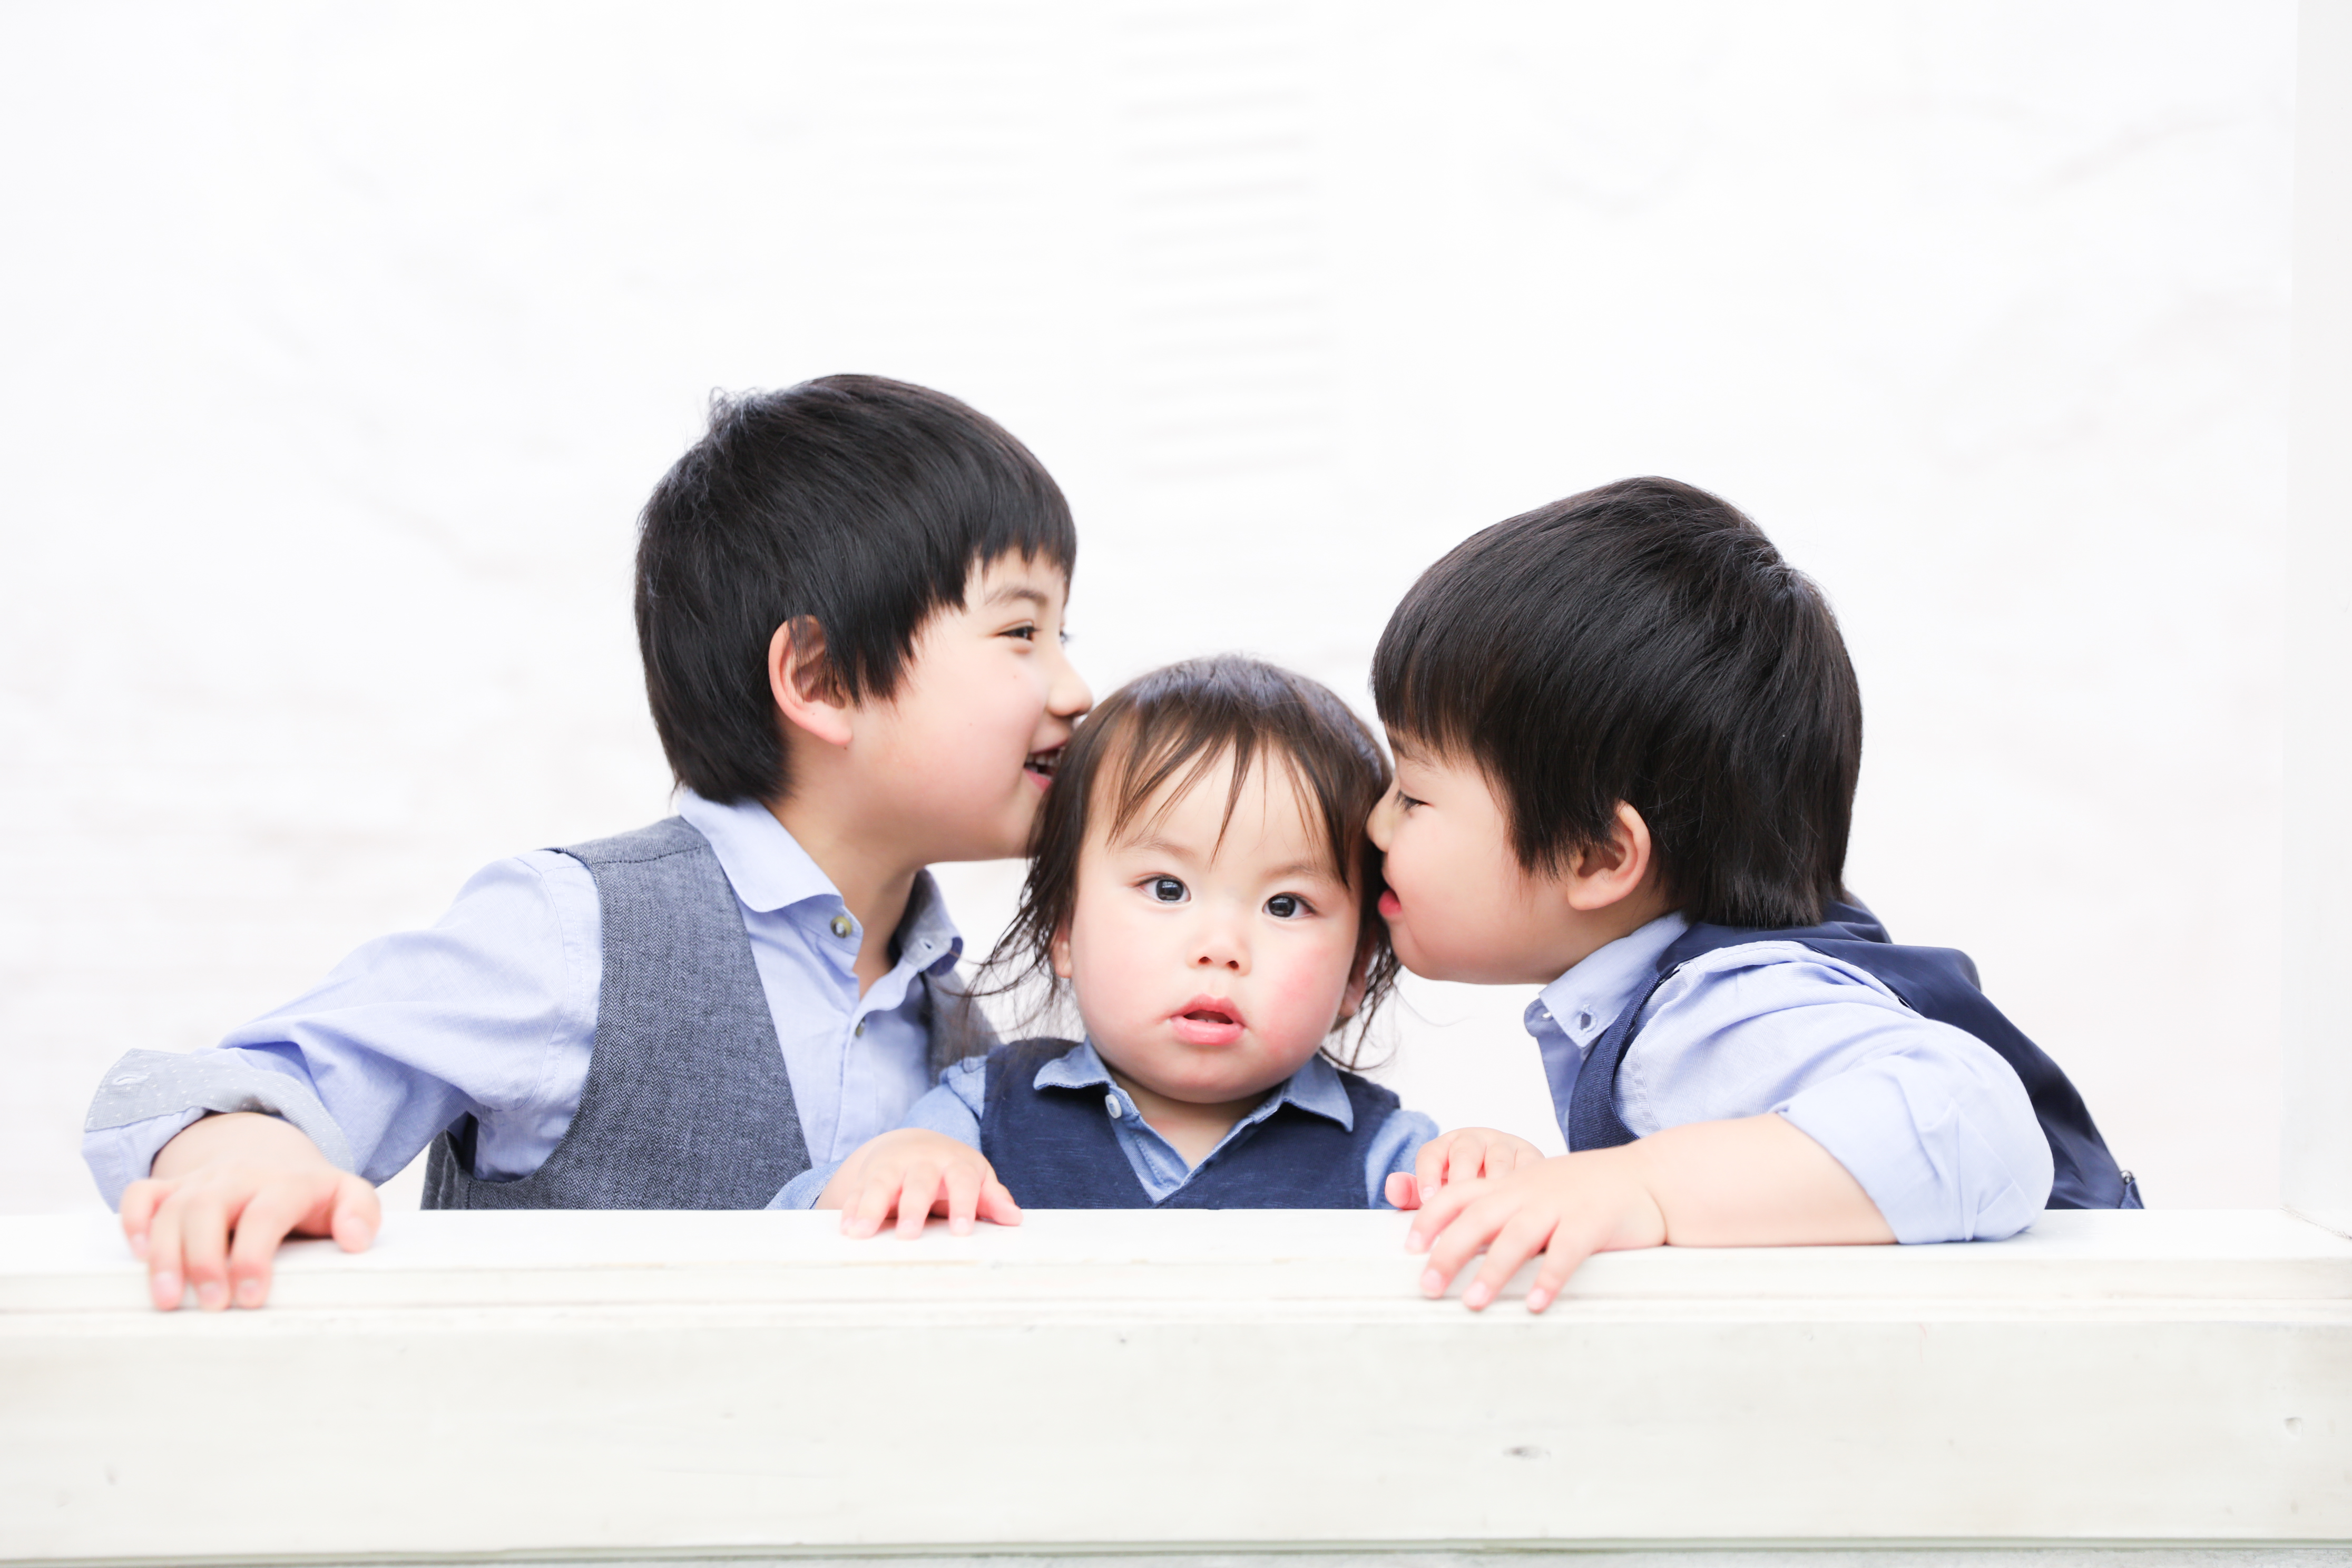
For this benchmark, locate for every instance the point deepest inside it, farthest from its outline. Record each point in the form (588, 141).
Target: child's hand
(1753, 1181)
(1463, 1155)
(245, 1175)
(916, 1174)
(1568, 1208)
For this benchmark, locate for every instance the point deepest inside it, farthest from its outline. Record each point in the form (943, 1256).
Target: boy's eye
(1286, 906)
(1026, 633)
(1405, 802)
(1167, 889)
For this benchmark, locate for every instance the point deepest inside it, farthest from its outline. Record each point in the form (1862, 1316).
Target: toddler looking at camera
(1203, 885)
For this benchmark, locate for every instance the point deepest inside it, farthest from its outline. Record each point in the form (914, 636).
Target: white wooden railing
(574, 1386)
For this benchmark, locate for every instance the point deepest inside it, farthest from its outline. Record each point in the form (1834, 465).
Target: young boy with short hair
(1627, 737)
(849, 603)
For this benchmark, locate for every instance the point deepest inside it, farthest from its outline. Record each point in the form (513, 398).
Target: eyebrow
(1017, 593)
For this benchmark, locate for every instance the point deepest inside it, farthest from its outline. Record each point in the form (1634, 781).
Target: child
(1627, 736)
(1203, 885)
(849, 601)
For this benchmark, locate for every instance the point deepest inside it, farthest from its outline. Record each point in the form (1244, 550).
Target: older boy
(1627, 737)
(849, 601)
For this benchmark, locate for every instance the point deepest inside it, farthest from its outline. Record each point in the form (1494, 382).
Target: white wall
(342, 344)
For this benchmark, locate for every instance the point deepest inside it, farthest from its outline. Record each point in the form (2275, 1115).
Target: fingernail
(1477, 1296)
(1537, 1300)
(212, 1296)
(1415, 1242)
(139, 1247)
(248, 1293)
(167, 1289)
(1433, 1283)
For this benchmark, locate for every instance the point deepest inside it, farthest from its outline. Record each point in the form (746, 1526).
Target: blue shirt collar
(769, 870)
(1314, 1087)
(1583, 1003)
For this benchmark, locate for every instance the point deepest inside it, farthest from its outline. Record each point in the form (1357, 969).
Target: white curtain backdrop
(342, 343)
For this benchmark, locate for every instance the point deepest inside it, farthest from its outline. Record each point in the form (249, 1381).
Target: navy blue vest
(1938, 983)
(1054, 1148)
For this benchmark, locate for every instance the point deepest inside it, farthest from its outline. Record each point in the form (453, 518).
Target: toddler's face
(1458, 905)
(1208, 971)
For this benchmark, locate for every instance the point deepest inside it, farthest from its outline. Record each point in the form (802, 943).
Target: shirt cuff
(1933, 1174)
(804, 1190)
(117, 1156)
(149, 1085)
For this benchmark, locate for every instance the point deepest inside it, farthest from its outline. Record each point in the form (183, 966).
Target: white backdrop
(339, 344)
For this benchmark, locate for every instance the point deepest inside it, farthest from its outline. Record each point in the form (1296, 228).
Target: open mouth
(1040, 766)
(1208, 1021)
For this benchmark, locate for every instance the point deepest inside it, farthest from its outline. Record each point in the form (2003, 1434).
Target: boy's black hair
(1178, 722)
(1642, 642)
(859, 503)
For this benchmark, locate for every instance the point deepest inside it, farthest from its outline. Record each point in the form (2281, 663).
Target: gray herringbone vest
(687, 1105)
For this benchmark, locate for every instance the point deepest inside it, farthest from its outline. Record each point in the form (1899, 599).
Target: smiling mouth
(1043, 763)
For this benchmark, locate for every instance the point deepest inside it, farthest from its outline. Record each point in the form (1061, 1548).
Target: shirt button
(1584, 1020)
(841, 925)
(1110, 1103)
(861, 1027)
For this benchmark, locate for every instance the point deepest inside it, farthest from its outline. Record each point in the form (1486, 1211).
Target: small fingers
(1402, 1190)
(1563, 1256)
(1438, 1208)
(915, 1194)
(1521, 1238)
(1471, 1228)
(166, 1277)
(996, 1204)
(864, 1214)
(1429, 1167)
(263, 1223)
(141, 1199)
(357, 1213)
(963, 1182)
(204, 1249)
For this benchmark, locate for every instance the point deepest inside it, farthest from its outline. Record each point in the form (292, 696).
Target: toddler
(1205, 888)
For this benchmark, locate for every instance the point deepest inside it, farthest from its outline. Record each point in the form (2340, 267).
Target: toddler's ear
(1351, 1001)
(1059, 947)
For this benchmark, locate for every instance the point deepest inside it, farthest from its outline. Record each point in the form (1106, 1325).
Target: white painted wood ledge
(577, 1385)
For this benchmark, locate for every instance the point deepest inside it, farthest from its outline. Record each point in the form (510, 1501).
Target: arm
(1756, 1182)
(489, 1012)
(930, 1163)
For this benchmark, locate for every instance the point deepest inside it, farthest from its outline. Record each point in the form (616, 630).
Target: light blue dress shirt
(1932, 1122)
(492, 1011)
(954, 1107)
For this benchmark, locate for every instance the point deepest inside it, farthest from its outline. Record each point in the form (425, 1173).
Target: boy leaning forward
(849, 601)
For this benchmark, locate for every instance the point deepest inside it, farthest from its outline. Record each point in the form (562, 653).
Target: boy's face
(1210, 959)
(959, 758)
(1459, 904)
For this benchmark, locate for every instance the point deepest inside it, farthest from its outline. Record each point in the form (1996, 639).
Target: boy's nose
(1070, 695)
(1382, 821)
(1219, 948)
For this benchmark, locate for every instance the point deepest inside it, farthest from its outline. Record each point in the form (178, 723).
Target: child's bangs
(1165, 750)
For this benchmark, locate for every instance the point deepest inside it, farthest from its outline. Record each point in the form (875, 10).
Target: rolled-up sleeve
(491, 1011)
(1930, 1120)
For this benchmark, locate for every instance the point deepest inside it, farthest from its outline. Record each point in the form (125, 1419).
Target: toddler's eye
(1167, 889)
(1286, 905)
(1026, 633)
(1405, 802)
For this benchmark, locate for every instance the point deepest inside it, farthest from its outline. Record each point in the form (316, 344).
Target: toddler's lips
(1207, 1021)
(1390, 907)
(1040, 766)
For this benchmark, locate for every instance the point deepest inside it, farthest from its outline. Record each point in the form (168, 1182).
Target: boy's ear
(803, 683)
(1614, 870)
(1059, 951)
